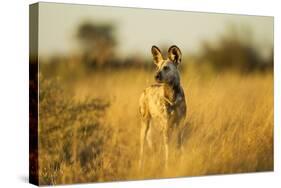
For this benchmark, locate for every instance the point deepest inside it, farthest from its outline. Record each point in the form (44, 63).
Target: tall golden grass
(229, 127)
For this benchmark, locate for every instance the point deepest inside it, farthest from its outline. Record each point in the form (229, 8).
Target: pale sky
(138, 29)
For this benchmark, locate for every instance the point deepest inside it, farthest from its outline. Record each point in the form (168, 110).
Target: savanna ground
(89, 125)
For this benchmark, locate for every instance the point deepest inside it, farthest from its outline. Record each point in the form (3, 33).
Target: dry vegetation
(89, 126)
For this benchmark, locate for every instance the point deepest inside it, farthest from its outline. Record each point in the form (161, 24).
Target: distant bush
(235, 51)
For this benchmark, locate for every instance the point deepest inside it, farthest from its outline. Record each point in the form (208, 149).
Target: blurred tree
(234, 50)
(97, 41)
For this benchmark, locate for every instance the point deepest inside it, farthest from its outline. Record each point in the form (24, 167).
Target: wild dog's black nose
(157, 76)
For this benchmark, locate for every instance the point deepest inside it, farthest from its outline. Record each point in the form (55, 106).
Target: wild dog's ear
(174, 54)
(157, 55)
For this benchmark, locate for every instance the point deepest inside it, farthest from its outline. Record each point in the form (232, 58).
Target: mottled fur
(163, 103)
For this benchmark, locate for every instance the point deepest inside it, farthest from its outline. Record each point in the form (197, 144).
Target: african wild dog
(163, 104)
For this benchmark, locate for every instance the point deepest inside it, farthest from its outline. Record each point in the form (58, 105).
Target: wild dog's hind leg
(143, 136)
(179, 142)
(180, 137)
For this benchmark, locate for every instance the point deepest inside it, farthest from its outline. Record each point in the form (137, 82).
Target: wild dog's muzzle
(158, 77)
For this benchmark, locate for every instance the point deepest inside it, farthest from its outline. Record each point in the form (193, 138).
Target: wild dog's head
(167, 69)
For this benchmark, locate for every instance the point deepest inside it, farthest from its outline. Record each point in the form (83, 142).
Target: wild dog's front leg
(166, 140)
(143, 135)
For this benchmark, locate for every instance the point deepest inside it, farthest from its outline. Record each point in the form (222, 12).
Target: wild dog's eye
(165, 68)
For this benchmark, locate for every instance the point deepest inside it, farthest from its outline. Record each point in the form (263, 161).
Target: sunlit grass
(229, 128)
